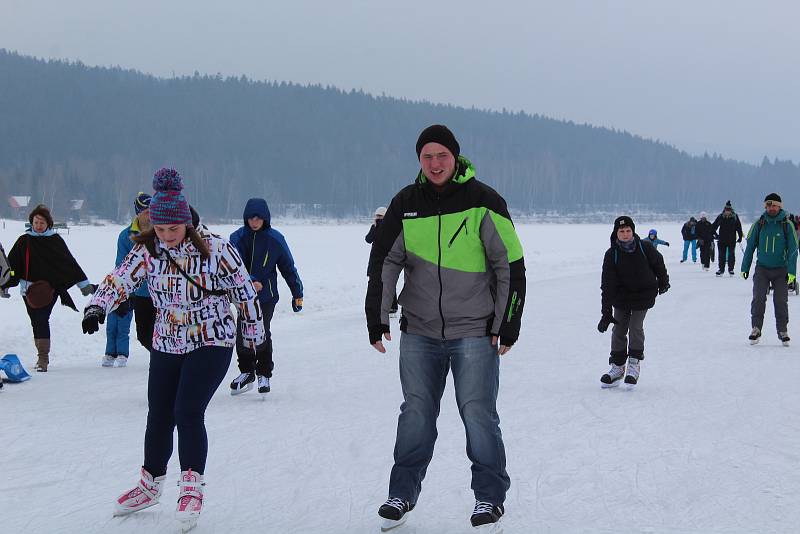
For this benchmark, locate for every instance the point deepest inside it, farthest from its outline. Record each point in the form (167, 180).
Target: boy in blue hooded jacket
(263, 249)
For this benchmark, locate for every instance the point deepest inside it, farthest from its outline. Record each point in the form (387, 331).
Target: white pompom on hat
(381, 210)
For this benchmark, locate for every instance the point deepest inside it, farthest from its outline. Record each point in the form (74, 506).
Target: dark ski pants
(780, 296)
(424, 365)
(179, 388)
(630, 324)
(40, 319)
(260, 361)
(145, 314)
(726, 250)
(705, 253)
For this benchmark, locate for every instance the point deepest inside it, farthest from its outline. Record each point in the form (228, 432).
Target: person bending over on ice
(263, 249)
(380, 212)
(705, 239)
(193, 277)
(633, 274)
(652, 236)
(45, 269)
(461, 309)
(775, 239)
(118, 326)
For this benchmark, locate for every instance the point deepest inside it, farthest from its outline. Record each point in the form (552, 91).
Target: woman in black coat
(633, 274)
(45, 269)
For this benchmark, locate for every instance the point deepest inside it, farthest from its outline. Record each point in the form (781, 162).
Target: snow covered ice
(706, 442)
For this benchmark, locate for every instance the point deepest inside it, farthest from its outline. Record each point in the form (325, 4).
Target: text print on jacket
(462, 261)
(188, 318)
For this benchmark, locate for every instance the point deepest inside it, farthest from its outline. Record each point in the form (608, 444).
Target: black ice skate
(394, 513)
(242, 383)
(755, 335)
(486, 514)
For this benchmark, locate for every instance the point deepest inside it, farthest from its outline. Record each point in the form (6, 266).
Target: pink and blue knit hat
(169, 206)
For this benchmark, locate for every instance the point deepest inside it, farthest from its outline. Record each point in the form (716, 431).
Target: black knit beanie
(438, 133)
(623, 221)
(775, 197)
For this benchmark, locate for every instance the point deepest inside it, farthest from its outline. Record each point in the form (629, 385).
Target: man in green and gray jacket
(775, 239)
(462, 302)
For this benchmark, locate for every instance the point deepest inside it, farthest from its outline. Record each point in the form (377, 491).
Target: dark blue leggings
(179, 388)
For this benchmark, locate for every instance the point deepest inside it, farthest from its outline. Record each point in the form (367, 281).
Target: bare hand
(378, 345)
(259, 286)
(502, 349)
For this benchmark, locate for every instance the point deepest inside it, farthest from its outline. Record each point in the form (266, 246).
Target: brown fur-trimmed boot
(43, 350)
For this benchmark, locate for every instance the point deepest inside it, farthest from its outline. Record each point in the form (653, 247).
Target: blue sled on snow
(13, 368)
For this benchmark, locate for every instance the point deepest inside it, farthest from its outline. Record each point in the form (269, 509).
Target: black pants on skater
(726, 250)
(706, 250)
(145, 314)
(260, 361)
(630, 324)
(179, 388)
(40, 319)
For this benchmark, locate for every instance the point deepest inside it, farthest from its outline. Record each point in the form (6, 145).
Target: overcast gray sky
(718, 75)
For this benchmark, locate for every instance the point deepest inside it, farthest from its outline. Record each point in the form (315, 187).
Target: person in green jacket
(462, 301)
(775, 239)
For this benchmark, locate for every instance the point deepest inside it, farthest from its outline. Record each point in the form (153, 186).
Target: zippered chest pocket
(461, 228)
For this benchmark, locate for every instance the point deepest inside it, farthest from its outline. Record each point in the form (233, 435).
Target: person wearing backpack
(633, 275)
(775, 239)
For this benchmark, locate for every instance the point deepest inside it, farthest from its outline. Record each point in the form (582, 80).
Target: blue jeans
(118, 334)
(693, 243)
(424, 364)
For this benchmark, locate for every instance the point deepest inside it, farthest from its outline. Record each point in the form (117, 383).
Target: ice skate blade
(187, 522)
(490, 528)
(785, 343)
(389, 524)
(121, 511)
(186, 526)
(614, 384)
(754, 341)
(245, 389)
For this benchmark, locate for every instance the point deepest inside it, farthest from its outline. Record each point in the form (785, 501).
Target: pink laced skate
(144, 495)
(190, 497)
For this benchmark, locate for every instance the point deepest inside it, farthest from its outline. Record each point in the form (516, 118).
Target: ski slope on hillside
(706, 443)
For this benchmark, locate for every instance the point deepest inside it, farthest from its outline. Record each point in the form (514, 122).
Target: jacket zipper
(462, 226)
(439, 265)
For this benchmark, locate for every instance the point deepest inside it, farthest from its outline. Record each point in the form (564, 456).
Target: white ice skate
(107, 361)
(784, 337)
(122, 361)
(190, 500)
(755, 335)
(632, 374)
(144, 495)
(612, 378)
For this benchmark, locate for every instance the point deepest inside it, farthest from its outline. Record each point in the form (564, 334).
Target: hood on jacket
(257, 207)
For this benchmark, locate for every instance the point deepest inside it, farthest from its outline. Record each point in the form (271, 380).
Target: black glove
(93, 316)
(123, 309)
(376, 332)
(663, 289)
(745, 275)
(505, 339)
(88, 290)
(739, 240)
(667, 243)
(605, 320)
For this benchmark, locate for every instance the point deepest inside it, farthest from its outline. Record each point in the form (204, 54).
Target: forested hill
(69, 131)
